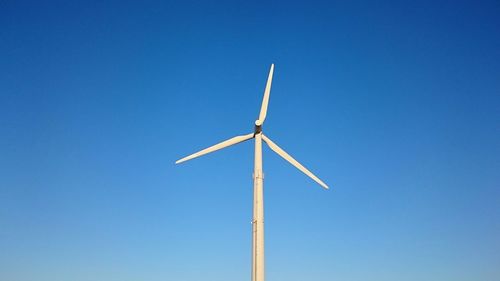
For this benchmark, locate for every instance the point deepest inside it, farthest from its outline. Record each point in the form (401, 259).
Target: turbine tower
(258, 178)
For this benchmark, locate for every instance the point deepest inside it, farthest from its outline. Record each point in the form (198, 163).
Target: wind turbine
(258, 178)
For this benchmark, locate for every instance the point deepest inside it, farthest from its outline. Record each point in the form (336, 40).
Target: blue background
(394, 104)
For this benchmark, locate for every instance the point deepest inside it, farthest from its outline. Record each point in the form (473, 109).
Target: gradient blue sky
(394, 104)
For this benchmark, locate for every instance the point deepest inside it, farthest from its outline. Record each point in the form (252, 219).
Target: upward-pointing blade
(224, 144)
(265, 100)
(292, 161)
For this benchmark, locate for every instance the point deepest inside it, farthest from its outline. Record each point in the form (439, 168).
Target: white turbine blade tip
(183, 160)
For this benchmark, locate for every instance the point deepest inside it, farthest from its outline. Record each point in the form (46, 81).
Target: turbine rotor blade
(292, 161)
(265, 100)
(224, 144)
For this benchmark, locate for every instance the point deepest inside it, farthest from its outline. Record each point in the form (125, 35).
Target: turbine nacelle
(258, 127)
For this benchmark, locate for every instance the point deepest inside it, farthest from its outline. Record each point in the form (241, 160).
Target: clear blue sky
(395, 105)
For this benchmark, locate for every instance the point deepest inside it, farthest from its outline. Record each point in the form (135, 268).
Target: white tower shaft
(258, 214)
